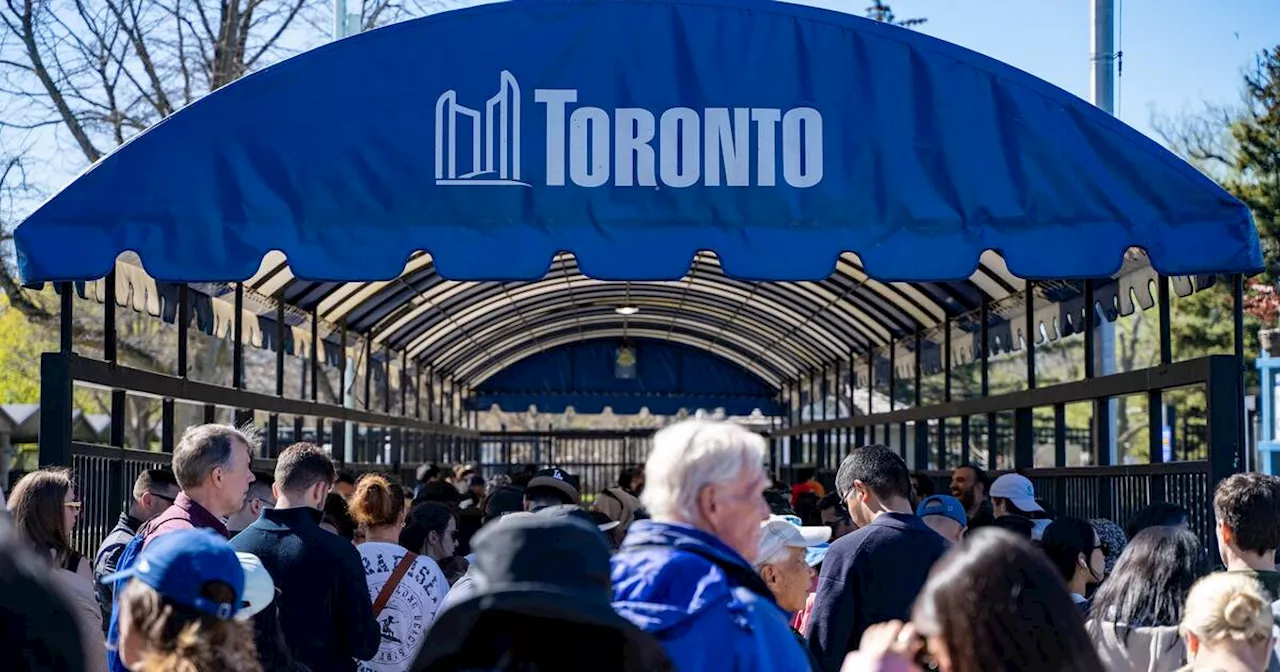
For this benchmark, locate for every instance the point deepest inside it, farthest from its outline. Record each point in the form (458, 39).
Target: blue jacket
(694, 594)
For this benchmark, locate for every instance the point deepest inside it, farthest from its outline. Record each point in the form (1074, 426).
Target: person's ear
(861, 492)
(1193, 644)
(1228, 537)
(275, 491)
(770, 575)
(707, 500)
(319, 492)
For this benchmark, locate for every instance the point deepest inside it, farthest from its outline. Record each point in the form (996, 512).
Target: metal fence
(105, 473)
(925, 435)
(595, 457)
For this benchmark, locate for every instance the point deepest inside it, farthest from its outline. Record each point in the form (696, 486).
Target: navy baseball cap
(943, 505)
(178, 565)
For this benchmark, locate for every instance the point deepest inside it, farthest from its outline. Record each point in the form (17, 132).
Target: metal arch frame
(463, 361)
(769, 318)
(341, 299)
(487, 370)
(479, 297)
(801, 323)
(710, 314)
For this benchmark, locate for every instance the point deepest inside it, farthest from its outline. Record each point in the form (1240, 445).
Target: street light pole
(1102, 76)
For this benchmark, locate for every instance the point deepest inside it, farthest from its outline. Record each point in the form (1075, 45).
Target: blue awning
(635, 134)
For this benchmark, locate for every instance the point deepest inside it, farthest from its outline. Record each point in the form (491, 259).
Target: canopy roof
(891, 179)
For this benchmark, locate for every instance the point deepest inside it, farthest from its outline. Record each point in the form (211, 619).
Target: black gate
(595, 457)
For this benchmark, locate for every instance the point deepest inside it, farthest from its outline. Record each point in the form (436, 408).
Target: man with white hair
(685, 576)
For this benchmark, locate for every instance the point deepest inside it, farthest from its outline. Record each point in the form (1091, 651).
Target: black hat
(544, 567)
(560, 480)
(504, 500)
(603, 523)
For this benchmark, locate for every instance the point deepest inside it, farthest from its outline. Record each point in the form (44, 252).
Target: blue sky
(1177, 53)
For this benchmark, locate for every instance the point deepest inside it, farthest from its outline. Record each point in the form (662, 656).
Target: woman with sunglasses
(432, 530)
(406, 584)
(44, 508)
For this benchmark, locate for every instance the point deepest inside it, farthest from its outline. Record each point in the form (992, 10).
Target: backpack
(127, 558)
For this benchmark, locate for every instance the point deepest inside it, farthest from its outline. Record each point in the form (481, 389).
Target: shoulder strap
(389, 587)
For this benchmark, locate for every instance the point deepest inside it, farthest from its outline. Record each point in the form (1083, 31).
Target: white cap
(1017, 489)
(259, 589)
(784, 531)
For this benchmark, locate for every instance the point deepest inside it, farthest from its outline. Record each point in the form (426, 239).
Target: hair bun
(1240, 610)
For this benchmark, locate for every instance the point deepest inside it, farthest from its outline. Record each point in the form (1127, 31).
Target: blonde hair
(1227, 606)
(176, 639)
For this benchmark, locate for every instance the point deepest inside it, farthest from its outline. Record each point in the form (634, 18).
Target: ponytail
(377, 501)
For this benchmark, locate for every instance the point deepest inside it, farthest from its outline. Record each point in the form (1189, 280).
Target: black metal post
(1222, 414)
(368, 371)
(871, 394)
(1024, 418)
(1237, 315)
(241, 416)
(839, 435)
(315, 355)
(184, 325)
(1155, 397)
(824, 437)
(386, 381)
(115, 468)
(342, 368)
(993, 446)
(167, 440)
(1031, 333)
(237, 341)
(55, 407)
(946, 392)
(403, 383)
(921, 426)
(417, 390)
(273, 419)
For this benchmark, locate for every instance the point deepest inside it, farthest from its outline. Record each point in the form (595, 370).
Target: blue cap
(943, 505)
(178, 565)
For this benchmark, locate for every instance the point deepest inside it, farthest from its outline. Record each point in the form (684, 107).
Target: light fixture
(626, 310)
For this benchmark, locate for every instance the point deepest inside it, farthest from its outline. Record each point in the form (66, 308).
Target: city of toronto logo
(590, 146)
(497, 129)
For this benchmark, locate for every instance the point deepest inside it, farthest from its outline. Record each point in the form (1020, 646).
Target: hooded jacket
(1145, 649)
(697, 596)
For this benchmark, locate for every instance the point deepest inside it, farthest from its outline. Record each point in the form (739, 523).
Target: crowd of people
(695, 560)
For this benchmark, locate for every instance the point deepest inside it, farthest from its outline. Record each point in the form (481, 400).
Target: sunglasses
(166, 498)
(72, 505)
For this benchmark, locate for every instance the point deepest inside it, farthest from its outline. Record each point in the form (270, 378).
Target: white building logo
(628, 146)
(499, 130)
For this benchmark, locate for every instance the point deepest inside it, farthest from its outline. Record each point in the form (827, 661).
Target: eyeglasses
(72, 505)
(166, 498)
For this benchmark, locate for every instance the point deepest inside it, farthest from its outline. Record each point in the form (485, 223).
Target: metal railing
(595, 457)
(105, 473)
(1097, 491)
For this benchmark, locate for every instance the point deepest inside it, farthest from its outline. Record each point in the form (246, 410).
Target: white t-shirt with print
(413, 605)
